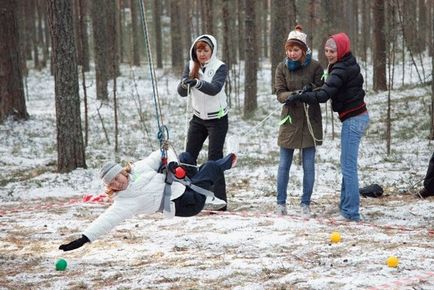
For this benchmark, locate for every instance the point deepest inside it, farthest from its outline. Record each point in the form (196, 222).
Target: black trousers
(215, 130)
(428, 182)
(191, 203)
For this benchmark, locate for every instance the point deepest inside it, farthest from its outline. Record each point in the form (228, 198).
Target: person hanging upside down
(140, 188)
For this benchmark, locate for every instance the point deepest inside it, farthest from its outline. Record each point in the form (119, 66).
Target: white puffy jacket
(142, 196)
(208, 97)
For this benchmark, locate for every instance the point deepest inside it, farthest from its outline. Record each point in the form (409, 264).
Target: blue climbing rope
(163, 131)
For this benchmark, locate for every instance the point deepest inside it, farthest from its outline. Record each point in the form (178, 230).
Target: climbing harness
(179, 175)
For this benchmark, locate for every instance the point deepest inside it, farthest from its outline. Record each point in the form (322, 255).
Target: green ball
(61, 265)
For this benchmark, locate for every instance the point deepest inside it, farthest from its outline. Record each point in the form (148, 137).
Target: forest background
(77, 89)
(75, 37)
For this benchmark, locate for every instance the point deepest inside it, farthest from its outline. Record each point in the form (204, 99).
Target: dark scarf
(295, 65)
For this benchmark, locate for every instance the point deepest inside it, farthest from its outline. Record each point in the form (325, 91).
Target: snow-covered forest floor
(248, 247)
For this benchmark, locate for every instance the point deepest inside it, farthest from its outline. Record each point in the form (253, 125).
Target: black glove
(172, 166)
(307, 88)
(191, 82)
(292, 98)
(308, 98)
(75, 244)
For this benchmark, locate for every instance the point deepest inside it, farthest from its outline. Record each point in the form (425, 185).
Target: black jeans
(215, 130)
(428, 182)
(191, 203)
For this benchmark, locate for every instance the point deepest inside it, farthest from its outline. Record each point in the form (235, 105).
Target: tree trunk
(158, 33)
(100, 48)
(226, 33)
(175, 36)
(410, 24)
(70, 147)
(185, 24)
(265, 34)
(112, 39)
(33, 33)
(327, 23)
(422, 25)
(82, 36)
(430, 34)
(20, 17)
(251, 66)
(432, 87)
(311, 21)
(135, 32)
(391, 53)
(279, 34)
(12, 100)
(29, 23)
(42, 44)
(207, 17)
(353, 19)
(365, 37)
(379, 52)
(292, 14)
(47, 37)
(241, 32)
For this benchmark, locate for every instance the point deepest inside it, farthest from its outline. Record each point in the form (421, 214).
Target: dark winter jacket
(344, 85)
(296, 135)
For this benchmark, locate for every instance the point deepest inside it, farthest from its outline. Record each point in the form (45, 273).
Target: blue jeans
(351, 134)
(285, 162)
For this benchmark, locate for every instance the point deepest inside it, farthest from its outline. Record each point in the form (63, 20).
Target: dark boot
(424, 193)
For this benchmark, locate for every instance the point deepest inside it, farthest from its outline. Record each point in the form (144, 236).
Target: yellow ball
(335, 237)
(392, 261)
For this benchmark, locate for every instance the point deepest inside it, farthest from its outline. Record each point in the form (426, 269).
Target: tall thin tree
(391, 37)
(240, 20)
(70, 147)
(135, 33)
(12, 100)
(379, 52)
(175, 36)
(251, 45)
(97, 8)
(279, 33)
(156, 16)
(432, 86)
(112, 35)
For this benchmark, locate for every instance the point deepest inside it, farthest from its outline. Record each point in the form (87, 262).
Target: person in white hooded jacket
(141, 189)
(204, 78)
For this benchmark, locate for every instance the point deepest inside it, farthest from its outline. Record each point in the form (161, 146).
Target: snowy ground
(248, 247)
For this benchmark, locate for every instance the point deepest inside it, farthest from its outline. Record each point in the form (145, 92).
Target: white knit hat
(297, 36)
(109, 171)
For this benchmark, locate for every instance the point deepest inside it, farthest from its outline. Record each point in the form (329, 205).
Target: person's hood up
(343, 44)
(208, 38)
